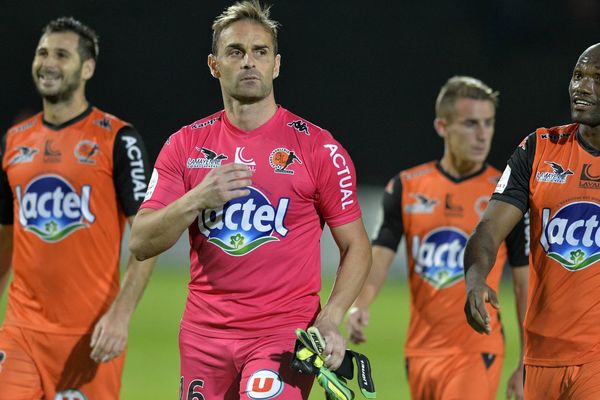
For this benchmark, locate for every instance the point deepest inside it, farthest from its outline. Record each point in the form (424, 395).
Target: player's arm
(383, 252)
(6, 221)
(155, 231)
(110, 333)
(355, 262)
(509, 203)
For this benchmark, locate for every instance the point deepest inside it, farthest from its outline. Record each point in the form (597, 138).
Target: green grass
(152, 364)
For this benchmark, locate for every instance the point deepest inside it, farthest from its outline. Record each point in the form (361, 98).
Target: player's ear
(212, 66)
(277, 65)
(87, 69)
(440, 126)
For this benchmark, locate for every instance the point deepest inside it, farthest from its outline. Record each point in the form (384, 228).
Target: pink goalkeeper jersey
(255, 263)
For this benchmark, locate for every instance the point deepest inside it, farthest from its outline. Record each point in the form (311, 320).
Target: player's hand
(475, 309)
(109, 337)
(358, 318)
(221, 184)
(514, 386)
(335, 345)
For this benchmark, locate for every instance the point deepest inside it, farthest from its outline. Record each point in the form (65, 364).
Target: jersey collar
(69, 122)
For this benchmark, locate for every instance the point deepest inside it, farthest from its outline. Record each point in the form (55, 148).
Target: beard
(64, 92)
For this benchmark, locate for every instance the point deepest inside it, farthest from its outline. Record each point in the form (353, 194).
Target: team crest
(211, 159)
(264, 384)
(245, 223)
(558, 174)
(439, 256)
(85, 151)
(571, 236)
(424, 205)
(25, 155)
(300, 126)
(71, 394)
(281, 159)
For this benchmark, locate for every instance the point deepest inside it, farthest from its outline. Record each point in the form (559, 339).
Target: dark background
(368, 71)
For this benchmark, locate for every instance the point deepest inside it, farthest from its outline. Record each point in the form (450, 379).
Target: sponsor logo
(264, 384)
(51, 155)
(412, 175)
(25, 155)
(52, 209)
(281, 158)
(23, 127)
(151, 184)
(211, 121)
(210, 160)
(85, 151)
(571, 236)
(503, 182)
(554, 136)
(424, 205)
(587, 180)
(136, 163)
(558, 174)
(300, 126)
(103, 123)
(481, 204)
(240, 159)
(245, 223)
(345, 183)
(439, 257)
(71, 394)
(452, 208)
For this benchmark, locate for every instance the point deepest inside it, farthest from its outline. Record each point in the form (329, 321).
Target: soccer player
(554, 172)
(253, 184)
(71, 175)
(436, 205)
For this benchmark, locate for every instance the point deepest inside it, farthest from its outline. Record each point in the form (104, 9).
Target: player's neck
(248, 117)
(458, 168)
(591, 135)
(63, 111)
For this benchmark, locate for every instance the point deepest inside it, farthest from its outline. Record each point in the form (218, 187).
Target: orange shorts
(577, 382)
(470, 376)
(36, 365)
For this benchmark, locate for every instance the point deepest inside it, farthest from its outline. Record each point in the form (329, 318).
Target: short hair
(244, 10)
(460, 87)
(88, 39)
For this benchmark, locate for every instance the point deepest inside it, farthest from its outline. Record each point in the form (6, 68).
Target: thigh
(544, 383)
(207, 367)
(19, 378)
(266, 371)
(67, 371)
(423, 377)
(472, 376)
(586, 385)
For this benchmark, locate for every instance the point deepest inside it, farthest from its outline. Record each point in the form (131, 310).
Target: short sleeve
(167, 181)
(337, 201)
(513, 186)
(390, 230)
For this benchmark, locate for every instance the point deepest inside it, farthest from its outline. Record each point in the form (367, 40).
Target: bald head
(584, 88)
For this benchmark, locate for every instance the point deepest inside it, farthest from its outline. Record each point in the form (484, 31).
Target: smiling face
(468, 131)
(57, 69)
(584, 88)
(245, 63)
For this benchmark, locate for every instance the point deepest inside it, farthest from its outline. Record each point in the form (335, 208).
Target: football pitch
(152, 364)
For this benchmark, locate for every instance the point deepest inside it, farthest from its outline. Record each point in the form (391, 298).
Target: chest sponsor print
(571, 236)
(25, 155)
(211, 159)
(439, 256)
(423, 204)
(51, 208)
(245, 223)
(558, 174)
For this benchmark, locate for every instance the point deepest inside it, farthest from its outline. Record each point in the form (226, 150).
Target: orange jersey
(557, 175)
(67, 222)
(438, 214)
